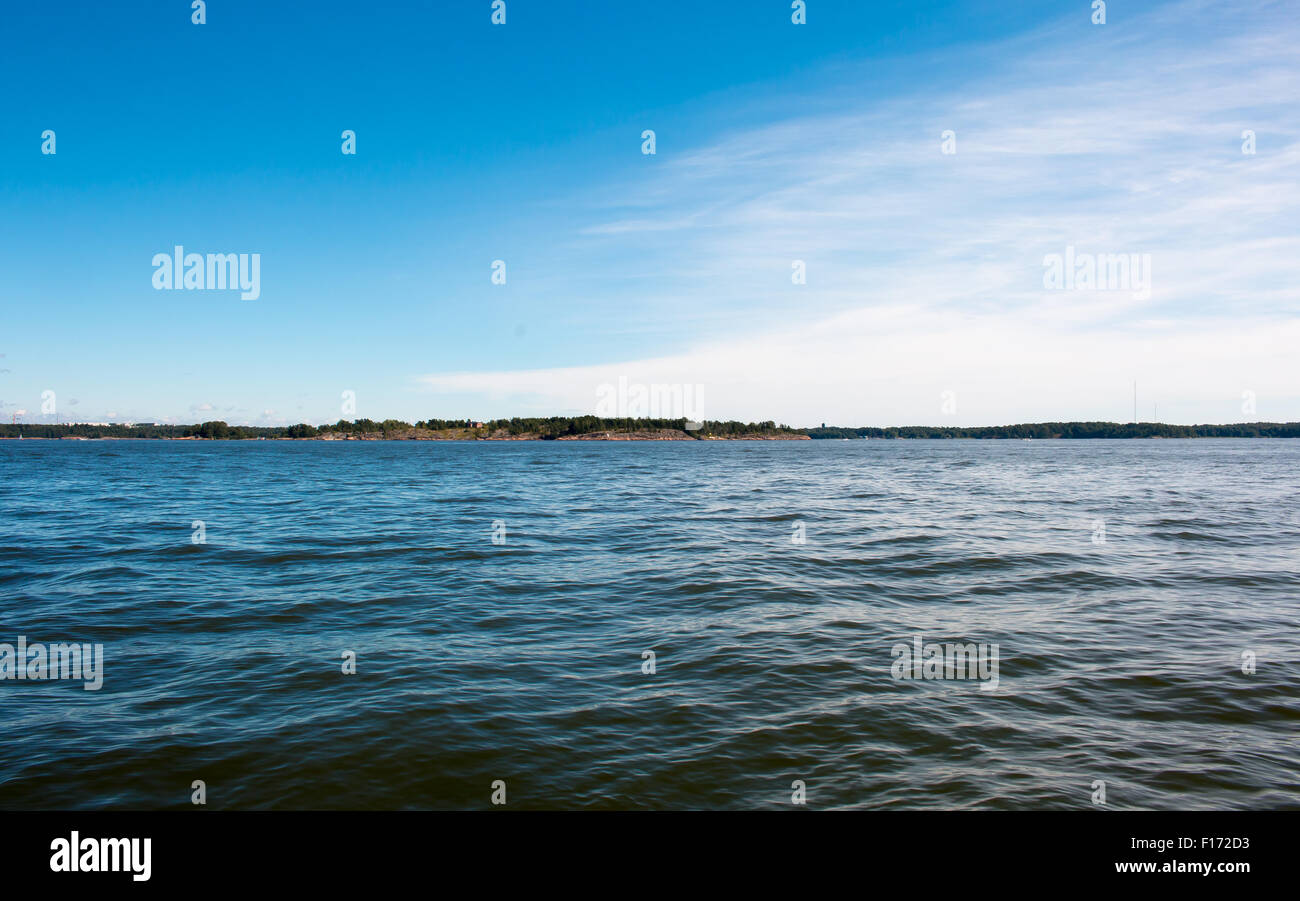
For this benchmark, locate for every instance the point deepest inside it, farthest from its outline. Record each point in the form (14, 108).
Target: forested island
(1070, 430)
(561, 428)
(592, 428)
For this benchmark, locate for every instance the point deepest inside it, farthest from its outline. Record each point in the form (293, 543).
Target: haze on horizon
(776, 145)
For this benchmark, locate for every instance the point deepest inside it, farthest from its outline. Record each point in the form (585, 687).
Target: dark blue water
(1120, 661)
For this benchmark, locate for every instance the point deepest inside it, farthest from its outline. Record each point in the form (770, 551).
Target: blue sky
(924, 300)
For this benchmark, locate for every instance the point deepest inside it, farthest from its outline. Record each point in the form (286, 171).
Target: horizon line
(474, 423)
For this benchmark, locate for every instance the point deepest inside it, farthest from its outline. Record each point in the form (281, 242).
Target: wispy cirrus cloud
(925, 269)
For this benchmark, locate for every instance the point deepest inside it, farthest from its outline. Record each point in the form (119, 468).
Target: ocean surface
(1125, 584)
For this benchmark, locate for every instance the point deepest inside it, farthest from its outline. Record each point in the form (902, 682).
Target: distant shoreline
(590, 428)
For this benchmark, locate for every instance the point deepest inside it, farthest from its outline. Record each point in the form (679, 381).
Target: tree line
(1049, 430)
(546, 428)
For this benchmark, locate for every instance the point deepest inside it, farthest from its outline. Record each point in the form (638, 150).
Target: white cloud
(890, 365)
